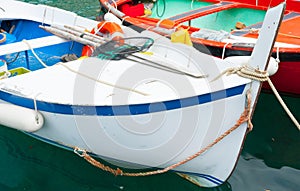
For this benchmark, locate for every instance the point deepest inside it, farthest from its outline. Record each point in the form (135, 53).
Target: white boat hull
(157, 139)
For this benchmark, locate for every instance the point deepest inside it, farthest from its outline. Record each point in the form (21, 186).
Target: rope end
(79, 152)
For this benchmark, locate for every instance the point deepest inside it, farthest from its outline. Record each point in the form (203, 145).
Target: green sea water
(270, 159)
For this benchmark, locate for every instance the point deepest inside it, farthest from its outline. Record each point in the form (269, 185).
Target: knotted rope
(246, 72)
(243, 71)
(245, 117)
(262, 76)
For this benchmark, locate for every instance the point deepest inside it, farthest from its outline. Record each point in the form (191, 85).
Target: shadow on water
(28, 164)
(271, 157)
(270, 160)
(275, 138)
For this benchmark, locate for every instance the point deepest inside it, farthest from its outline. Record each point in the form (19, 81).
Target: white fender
(273, 66)
(20, 118)
(243, 60)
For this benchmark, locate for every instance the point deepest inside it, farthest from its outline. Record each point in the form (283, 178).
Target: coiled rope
(245, 117)
(246, 72)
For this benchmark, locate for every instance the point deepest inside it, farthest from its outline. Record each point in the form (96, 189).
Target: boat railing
(25, 45)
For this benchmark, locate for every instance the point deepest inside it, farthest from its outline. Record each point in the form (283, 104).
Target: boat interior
(26, 47)
(217, 18)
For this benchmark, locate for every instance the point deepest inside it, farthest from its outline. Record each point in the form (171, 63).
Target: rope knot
(252, 73)
(246, 72)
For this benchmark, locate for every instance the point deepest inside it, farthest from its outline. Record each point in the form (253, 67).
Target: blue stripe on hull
(206, 177)
(136, 109)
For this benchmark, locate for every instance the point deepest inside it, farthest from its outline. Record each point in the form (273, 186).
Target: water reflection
(271, 158)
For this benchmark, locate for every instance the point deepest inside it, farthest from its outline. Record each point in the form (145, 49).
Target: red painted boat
(235, 41)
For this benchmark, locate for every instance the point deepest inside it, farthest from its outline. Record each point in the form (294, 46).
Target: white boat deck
(93, 81)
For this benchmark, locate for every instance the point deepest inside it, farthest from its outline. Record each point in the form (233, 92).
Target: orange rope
(245, 117)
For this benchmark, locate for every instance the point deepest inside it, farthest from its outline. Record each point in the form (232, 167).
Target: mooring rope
(245, 117)
(243, 71)
(36, 109)
(224, 49)
(289, 113)
(262, 76)
(246, 72)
